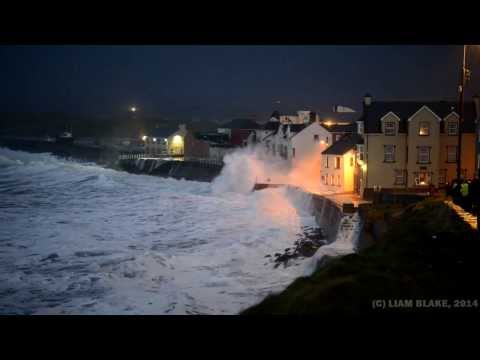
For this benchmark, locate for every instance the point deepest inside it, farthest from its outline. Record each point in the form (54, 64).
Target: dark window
(389, 128)
(389, 153)
(423, 154)
(452, 154)
(337, 162)
(293, 152)
(316, 138)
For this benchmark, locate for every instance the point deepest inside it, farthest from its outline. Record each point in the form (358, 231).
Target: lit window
(423, 154)
(338, 180)
(326, 161)
(451, 154)
(332, 179)
(388, 153)
(424, 128)
(399, 177)
(325, 179)
(337, 162)
(389, 128)
(452, 128)
(316, 138)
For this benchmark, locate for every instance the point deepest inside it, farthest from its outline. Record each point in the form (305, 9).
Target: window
(452, 128)
(423, 154)
(442, 176)
(326, 140)
(316, 138)
(452, 154)
(293, 152)
(388, 153)
(337, 162)
(338, 181)
(351, 161)
(326, 161)
(361, 150)
(424, 128)
(389, 128)
(332, 179)
(360, 127)
(423, 178)
(400, 177)
(325, 179)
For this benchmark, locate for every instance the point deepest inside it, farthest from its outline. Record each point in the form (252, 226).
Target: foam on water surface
(80, 239)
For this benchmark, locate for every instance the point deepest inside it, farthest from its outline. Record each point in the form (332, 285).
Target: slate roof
(344, 144)
(246, 124)
(405, 109)
(271, 125)
(340, 128)
(294, 128)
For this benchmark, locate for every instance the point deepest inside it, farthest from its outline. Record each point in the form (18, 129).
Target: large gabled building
(414, 144)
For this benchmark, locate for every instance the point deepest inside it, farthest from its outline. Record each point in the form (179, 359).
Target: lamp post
(461, 89)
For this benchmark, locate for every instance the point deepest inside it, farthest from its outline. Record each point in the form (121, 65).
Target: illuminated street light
(154, 139)
(133, 109)
(144, 137)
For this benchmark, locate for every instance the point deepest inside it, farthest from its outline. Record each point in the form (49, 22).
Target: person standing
(475, 196)
(464, 192)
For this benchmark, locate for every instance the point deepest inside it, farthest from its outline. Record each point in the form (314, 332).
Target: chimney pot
(367, 100)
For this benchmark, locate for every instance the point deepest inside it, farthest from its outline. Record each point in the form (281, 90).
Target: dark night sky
(222, 82)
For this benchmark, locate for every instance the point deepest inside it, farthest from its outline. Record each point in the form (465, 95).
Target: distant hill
(123, 125)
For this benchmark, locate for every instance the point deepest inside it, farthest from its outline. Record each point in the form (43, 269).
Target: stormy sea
(77, 238)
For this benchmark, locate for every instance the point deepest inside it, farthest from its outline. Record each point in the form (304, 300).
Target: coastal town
(387, 147)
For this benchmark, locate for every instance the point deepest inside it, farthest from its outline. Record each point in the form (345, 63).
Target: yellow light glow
(177, 140)
(322, 142)
(329, 123)
(144, 137)
(364, 167)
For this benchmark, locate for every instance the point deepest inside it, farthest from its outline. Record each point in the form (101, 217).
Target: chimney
(476, 100)
(367, 100)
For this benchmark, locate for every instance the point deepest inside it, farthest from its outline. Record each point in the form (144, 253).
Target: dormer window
(424, 128)
(452, 128)
(389, 128)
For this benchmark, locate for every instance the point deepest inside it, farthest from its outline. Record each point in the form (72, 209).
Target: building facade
(413, 145)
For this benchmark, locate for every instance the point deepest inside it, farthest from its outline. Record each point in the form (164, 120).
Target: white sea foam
(78, 238)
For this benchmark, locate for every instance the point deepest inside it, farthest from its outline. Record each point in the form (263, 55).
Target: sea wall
(342, 229)
(194, 170)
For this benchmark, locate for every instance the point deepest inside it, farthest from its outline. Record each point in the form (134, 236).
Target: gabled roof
(405, 109)
(246, 124)
(344, 144)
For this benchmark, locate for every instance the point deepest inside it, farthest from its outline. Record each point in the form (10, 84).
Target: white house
(340, 166)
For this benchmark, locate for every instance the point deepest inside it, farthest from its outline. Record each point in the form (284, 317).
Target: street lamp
(465, 73)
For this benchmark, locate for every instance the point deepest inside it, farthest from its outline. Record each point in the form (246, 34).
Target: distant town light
(177, 140)
(154, 139)
(329, 123)
(144, 137)
(133, 109)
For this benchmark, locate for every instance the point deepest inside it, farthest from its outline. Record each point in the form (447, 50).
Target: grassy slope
(427, 253)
